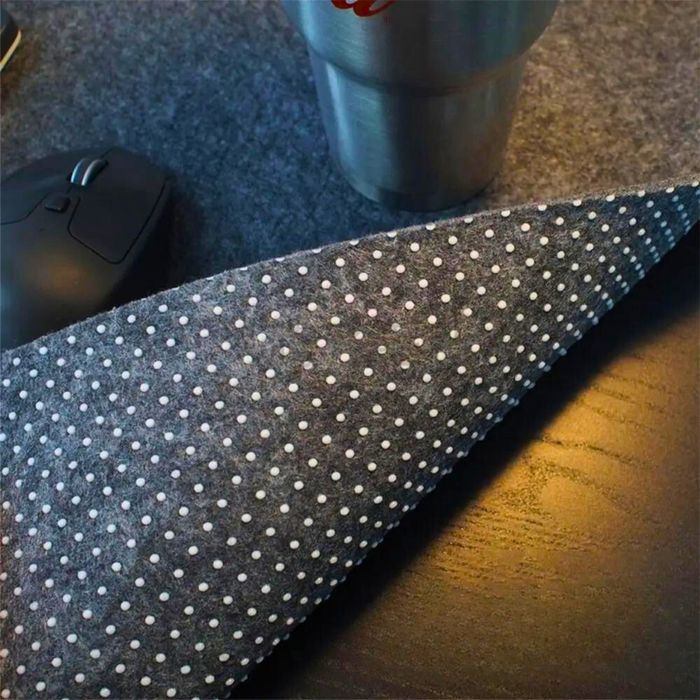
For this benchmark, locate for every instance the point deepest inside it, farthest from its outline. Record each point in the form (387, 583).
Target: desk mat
(187, 477)
(221, 95)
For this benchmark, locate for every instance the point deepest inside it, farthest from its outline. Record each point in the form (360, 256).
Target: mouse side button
(57, 203)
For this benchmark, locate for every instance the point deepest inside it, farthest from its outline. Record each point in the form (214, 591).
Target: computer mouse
(80, 232)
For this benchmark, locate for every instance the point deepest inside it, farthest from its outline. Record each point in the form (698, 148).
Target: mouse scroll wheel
(87, 170)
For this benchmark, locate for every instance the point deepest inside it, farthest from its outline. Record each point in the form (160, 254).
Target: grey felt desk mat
(221, 95)
(187, 477)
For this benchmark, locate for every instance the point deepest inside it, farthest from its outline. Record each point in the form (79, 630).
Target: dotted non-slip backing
(185, 478)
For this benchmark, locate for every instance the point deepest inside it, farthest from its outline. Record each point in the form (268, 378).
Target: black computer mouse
(80, 232)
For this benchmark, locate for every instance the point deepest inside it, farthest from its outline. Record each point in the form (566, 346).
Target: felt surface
(188, 476)
(221, 95)
(124, 437)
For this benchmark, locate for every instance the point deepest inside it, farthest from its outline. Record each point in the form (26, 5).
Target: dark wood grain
(561, 558)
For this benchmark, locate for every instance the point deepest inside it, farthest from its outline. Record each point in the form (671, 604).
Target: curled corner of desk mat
(187, 477)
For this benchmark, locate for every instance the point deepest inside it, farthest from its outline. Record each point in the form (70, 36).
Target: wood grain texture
(560, 559)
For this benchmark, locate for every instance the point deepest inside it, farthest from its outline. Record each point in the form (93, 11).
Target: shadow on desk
(298, 668)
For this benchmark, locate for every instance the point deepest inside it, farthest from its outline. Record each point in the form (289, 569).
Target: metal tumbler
(418, 96)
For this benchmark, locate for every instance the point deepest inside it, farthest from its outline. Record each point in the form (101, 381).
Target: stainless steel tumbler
(418, 96)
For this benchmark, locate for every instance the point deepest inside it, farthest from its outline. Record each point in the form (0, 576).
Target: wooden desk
(561, 558)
